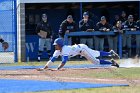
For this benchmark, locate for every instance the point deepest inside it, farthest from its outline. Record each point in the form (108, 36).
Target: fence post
(15, 30)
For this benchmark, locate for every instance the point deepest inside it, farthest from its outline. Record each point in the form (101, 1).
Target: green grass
(128, 73)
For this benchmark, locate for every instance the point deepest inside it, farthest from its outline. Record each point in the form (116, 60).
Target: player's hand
(40, 69)
(90, 30)
(104, 29)
(41, 36)
(107, 30)
(67, 31)
(5, 45)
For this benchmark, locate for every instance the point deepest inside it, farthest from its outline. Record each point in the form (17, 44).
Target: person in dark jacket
(44, 32)
(123, 17)
(67, 26)
(138, 40)
(113, 40)
(116, 19)
(102, 26)
(129, 25)
(86, 25)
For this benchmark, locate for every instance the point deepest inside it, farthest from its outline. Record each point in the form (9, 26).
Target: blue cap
(59, 42)
(85, 14)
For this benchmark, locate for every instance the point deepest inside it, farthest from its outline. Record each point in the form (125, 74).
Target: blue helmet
(59, 42)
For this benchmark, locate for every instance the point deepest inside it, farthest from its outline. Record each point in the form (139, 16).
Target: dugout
(29, 14)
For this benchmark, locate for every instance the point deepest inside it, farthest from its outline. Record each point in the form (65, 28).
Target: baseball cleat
(114, 63)
(114, 54)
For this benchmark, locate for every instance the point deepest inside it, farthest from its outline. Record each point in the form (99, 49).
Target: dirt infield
(70, 75)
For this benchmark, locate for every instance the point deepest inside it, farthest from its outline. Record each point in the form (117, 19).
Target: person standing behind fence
(138, 40)
(44, 32)
(123, 17)
(113, 40)
(86, 25)
(102, 26)
(116, 19)
(68, 26)
(129, 25)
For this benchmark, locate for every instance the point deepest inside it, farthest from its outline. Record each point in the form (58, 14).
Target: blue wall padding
(15, 86)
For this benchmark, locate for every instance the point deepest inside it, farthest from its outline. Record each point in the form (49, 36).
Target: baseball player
(5, 45)
(44, 32)
(138, 40)
(68, 26)
(129, 25)
(86, 25)
(66, 51)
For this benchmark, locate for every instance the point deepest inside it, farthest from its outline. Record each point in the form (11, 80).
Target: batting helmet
(59, 42)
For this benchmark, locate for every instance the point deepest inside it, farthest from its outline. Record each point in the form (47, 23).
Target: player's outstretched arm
(64, 60)
(49, 63)
(60, 66)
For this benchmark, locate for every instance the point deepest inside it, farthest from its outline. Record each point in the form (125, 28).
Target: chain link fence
(7, 30)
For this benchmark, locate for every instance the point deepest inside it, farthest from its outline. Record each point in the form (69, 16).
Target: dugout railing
(95, 33)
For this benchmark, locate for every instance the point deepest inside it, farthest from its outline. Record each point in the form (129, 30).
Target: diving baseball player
(66, 51)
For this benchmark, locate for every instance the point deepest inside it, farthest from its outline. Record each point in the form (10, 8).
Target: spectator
(123, 17)
(117, 18)
(102, 26)
(138, 40)
(113, 40)
(86, 25)
(68, 26)
(44, 32)
(129, 25)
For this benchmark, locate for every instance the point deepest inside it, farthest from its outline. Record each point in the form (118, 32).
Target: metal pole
(15, 26)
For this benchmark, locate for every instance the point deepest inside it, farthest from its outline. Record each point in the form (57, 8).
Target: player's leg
(69, 41)
(83, 40)
(101, 44)
(112, 62)
(111, 53)
(91, 55)
(115, 44)
(48, 45)
(129, 45)
(41, 48)
(138, 45)
(90, 42)
(110, 42)
(96, 43)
